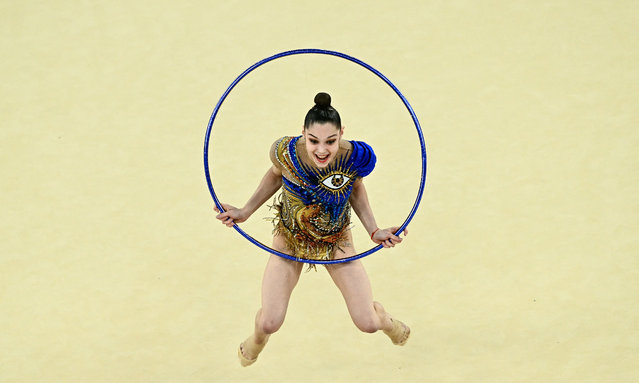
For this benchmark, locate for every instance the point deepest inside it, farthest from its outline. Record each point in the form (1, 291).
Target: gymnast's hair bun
(323, 100)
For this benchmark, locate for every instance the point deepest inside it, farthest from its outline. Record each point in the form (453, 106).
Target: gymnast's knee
(369, 324)
(269, 325)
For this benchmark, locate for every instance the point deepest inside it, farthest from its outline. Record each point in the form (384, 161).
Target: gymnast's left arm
(361, 206)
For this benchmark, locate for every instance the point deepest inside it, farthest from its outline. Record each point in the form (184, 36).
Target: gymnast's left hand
(387, 237)
(231, 215)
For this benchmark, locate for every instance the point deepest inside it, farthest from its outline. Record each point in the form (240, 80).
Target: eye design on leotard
(336, 181)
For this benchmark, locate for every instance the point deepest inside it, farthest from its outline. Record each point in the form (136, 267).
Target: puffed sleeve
(274, 152)
(363, 158)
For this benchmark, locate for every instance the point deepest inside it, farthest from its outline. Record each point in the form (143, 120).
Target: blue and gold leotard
(313, 212)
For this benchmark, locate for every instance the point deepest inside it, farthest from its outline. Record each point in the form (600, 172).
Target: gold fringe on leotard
(307, 229)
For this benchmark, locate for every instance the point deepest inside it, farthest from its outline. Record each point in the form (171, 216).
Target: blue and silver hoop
(330, 53)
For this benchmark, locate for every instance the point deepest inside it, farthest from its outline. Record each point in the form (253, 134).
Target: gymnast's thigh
(280, 278)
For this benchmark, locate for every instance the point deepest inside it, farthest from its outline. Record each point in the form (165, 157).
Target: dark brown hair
(322, 112)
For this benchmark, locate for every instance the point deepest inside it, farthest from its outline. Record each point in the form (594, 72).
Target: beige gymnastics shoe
(251, 348)
(399, 333)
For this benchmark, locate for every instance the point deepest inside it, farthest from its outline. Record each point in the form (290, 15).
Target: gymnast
(321, 175)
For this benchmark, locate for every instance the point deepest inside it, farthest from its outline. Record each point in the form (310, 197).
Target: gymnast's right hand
(231, 215)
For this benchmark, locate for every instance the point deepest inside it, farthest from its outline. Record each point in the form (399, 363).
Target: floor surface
(522, 262)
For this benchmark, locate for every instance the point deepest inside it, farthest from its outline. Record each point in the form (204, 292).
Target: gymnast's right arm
(271, 183)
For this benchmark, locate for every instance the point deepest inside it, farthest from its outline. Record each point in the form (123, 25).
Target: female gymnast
(321, 175)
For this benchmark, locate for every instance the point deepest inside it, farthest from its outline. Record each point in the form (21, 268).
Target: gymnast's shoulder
(363, 157)
(277, 148)
(280, 143)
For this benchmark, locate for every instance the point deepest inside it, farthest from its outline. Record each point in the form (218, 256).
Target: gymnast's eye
(336, 181)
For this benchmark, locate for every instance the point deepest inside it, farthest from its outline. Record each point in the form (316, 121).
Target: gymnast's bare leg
(369, 316)
(280, 278)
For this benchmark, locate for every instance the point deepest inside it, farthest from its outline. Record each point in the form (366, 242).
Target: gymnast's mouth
(322, 159)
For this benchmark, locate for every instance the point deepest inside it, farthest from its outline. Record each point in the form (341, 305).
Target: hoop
(349, 58)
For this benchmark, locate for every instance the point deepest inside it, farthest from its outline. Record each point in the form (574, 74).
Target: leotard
(313, 212)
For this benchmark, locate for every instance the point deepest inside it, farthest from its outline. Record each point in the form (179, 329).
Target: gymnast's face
(322, 142)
